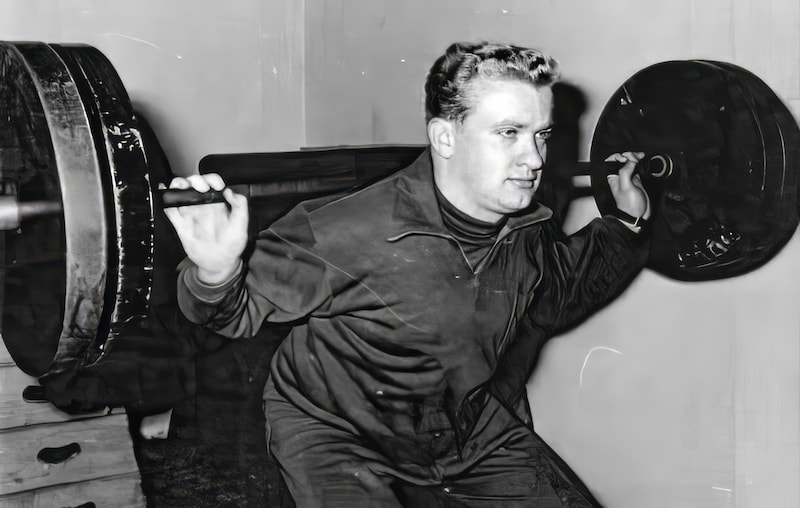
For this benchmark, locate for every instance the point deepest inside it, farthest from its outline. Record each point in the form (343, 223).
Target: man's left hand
(627, 188)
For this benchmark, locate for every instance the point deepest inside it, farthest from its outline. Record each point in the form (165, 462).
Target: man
(419, 302)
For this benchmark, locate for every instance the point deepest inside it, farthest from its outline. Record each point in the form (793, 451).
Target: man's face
(499, 148)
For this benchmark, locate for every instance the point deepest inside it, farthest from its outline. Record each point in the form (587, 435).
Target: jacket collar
(416, 209)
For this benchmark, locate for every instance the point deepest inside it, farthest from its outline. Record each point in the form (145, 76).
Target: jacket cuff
(206, 293)
(636, 225)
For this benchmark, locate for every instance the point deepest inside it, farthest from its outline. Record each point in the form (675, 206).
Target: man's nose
(530, 155)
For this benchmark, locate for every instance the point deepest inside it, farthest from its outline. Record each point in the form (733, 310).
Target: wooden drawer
(118, 492)
(104, 442)
(104, 472)
(16, 412)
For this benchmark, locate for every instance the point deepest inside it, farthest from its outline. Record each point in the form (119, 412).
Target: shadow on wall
(557, 189)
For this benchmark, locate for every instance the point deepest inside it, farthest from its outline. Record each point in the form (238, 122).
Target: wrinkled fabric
(397, 339)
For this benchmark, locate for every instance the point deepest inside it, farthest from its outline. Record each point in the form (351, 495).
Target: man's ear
(442, 136)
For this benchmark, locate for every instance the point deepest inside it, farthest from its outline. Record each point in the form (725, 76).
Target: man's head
(488, 108)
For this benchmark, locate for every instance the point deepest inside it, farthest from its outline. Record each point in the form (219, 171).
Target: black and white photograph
(385, 254)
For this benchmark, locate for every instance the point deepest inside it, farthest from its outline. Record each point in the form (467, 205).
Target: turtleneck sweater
(475, 237)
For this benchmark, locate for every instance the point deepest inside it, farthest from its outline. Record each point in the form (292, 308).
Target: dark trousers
(328, 466)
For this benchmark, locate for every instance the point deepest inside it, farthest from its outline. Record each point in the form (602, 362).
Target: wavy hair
(446, 86)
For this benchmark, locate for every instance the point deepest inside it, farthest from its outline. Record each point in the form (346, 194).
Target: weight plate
(71, 125)
(731, 199)
(127, 192)
(55, 266)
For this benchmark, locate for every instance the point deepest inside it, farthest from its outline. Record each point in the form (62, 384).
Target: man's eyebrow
(520, 125)
(509, 122)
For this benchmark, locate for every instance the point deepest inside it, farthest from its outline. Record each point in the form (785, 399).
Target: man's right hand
(213, 235)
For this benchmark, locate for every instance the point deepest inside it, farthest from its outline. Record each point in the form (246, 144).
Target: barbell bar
(13, 212)
(654, 167)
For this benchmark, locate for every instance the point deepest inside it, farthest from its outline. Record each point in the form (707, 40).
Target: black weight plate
(129, 211)
(34, 256)
(55, 267)
(731, 201)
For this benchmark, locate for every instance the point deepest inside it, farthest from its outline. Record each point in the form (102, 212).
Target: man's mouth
(523, 183)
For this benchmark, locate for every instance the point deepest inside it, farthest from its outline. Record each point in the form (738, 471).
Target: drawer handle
(34, 393)
(87, 505)
(58, 455)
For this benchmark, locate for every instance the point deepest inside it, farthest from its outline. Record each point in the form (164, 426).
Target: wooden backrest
(276, 181)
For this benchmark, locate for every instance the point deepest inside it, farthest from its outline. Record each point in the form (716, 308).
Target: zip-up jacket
(396, 337)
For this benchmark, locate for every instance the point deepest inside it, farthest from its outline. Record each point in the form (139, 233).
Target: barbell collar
(13, 212)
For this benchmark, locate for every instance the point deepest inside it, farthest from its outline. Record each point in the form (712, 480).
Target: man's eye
(544, 134)
(508, 133)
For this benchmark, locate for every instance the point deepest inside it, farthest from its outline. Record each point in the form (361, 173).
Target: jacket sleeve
(580, 273)
(584, 271)
(282, 281)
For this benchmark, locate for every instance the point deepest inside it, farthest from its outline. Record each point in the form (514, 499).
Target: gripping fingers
(199, 183)
(179, 183)
(239, 213)
(630, 160)
(625, 157)
(183, 217)
(623, 179)
(626, 185)
(172, 213)
(214, 181)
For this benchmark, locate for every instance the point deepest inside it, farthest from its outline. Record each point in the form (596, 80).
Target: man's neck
(447, 186)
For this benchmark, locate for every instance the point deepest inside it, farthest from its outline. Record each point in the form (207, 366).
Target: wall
(675, 395)
(210, 76)
(360, 54)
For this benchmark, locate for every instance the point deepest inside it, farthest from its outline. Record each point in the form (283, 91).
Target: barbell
(80, 213)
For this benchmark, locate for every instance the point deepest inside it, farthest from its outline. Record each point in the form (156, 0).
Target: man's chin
(519, 205)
